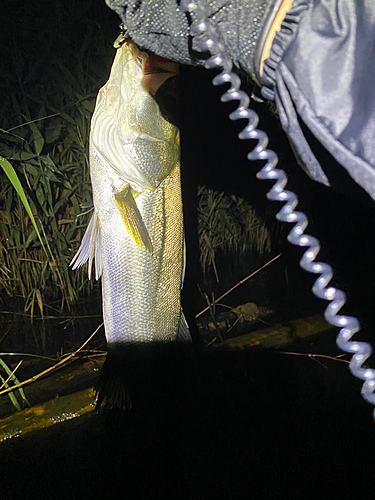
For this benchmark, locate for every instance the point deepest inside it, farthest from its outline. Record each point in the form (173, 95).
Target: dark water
(58, 333)
(226, 425)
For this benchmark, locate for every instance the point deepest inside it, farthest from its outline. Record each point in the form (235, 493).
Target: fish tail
(142, 375)
(120, 377)
(111, 392)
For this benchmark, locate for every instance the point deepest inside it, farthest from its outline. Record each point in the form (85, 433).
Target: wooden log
(73, 377)
(81, 374)
(53, 412)
(280, 335)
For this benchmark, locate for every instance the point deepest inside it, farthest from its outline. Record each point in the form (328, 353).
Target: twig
(11, 375)
(240, 283)
(51, 368)
(224, 305)
(28, 123)
(235, 323)
(51, 317)
(265, 322)
(312, 356)
(212, 341)
(211, 307)
(26, 354)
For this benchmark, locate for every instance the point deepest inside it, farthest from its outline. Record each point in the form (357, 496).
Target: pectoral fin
(132, 218)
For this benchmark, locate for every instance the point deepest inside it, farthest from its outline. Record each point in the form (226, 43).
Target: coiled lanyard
(207, 41)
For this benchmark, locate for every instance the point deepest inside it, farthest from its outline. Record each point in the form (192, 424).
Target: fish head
(128, 128)
(156, 69)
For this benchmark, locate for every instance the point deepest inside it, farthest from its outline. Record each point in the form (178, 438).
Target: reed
(228, 224)
(44, 127)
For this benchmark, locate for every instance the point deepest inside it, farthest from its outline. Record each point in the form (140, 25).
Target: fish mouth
(156, 71)
(156, 64)
(152, 64)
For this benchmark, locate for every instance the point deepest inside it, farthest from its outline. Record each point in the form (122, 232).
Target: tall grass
(49, 91)
(228, 224)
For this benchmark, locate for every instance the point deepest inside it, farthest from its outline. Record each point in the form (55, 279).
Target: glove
(163, 28)
(320, 68)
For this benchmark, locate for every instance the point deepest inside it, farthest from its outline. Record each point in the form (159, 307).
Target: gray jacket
(320, 71)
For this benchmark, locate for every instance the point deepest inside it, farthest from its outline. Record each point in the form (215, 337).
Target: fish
(135, 236)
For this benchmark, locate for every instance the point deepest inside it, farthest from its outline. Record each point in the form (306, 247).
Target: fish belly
(141, 291)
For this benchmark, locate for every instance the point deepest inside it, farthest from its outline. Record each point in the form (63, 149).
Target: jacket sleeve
(320, 69)
(163, 28)
(321, 73)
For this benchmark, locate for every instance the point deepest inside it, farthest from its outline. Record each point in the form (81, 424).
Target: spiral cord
(206, 40)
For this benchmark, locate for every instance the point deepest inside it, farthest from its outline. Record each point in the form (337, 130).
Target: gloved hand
(320, 68)
(163, 28)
